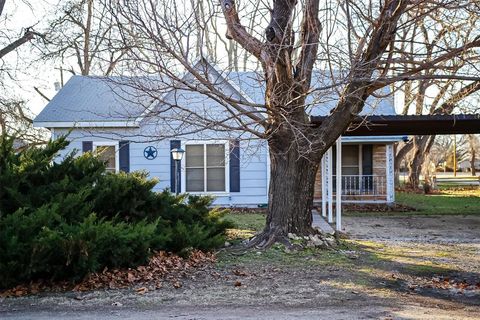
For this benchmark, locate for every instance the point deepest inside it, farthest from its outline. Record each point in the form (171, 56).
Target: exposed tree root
(265, 240)
(312, 238)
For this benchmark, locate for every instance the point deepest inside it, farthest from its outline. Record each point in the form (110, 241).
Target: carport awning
(411, 125)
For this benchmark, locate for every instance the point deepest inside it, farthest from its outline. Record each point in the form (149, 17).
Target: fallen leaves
(377, 207)
(161, 266)
(458, 286)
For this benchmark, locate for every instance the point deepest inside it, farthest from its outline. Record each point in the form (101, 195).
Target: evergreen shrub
(60, 220)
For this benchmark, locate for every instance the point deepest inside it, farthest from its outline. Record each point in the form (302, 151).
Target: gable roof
(87, 101)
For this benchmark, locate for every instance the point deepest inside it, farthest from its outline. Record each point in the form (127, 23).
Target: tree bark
(399, 157)
(415, 165)
(421, 147)
(292, 183)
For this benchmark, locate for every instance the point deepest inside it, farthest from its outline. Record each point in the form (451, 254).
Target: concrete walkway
(320, 223)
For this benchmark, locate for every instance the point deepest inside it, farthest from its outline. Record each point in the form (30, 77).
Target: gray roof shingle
(97, 99)
(85, 98)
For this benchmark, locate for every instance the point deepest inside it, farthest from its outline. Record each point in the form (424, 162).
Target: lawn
(446, 202)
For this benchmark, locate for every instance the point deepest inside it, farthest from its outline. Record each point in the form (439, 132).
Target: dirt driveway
(391, 268)
(425, 229)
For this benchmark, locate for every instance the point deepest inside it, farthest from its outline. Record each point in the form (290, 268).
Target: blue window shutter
(87, 146)
(124, 155)
(174, 144)
(234, 166)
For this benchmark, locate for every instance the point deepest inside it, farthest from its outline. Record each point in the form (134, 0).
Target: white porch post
(338, 194)
(330, 185)
(324, 187)
(390, 173)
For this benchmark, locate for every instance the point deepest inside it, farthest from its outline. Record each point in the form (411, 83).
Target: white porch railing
(362, 186)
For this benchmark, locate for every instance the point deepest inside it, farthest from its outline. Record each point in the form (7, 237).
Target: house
(113, 119)
(466, 165)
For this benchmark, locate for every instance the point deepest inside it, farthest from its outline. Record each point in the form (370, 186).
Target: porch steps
(320, 223)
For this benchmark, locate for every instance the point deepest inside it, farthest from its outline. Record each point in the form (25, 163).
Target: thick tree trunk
(399, 157)
(414, 170)
(292, 182)
(295, 145)
(421, 147)
(415, 164)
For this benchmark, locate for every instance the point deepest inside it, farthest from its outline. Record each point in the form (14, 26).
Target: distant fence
(456, 181)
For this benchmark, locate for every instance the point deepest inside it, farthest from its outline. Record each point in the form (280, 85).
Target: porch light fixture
(177, 155)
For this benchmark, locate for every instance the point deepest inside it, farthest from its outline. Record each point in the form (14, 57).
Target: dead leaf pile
(445, 283)
(377, 207)
(162, 267)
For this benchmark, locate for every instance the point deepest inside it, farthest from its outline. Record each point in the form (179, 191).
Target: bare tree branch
(237, 32)
(27, 36)
(41, 93)
(310, 38)
(2, 4)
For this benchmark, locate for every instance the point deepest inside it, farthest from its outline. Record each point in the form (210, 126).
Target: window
(350, 160)
(351, 167)
(107, 152)
(205, 169)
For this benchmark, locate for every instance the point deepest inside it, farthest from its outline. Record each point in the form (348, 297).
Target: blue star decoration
(150, 153)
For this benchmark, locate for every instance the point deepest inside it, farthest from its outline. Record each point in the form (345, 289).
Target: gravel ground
(386, 275)
(423, 229)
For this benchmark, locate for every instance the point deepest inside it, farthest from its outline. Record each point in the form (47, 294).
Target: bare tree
(445, 147)
(420, 146)
(432, 95)
(355, 45)
(15, 119)
(82, 37)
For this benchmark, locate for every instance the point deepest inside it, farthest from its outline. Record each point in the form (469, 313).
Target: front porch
(367, 174)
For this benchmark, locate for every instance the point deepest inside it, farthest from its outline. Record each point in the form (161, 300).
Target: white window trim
(227, 167)
(96, 144)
